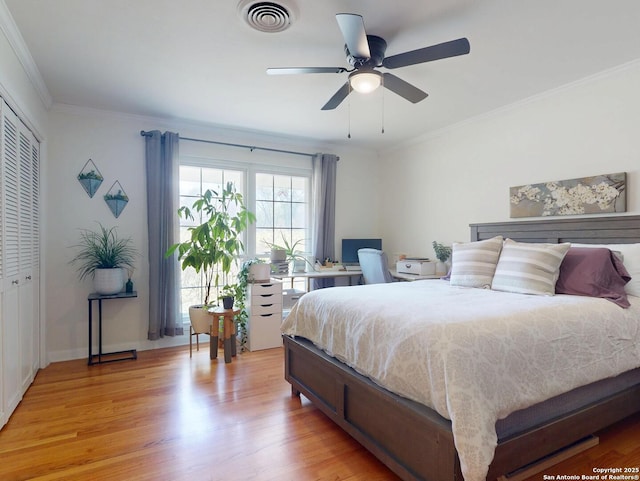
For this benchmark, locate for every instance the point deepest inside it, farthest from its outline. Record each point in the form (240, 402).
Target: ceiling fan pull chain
(349, 114)
(382, 93)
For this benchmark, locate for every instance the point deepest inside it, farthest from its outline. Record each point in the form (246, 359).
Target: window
(282, 211)
(194, 181)
(279, 196)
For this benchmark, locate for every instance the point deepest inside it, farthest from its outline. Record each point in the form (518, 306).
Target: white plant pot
(441, 268)
(298, 265)
(259, 272)
(200, 319)
(278, 255)
(108, 281)
(310, 264)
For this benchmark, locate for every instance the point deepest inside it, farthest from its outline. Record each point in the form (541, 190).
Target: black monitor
(350, 248)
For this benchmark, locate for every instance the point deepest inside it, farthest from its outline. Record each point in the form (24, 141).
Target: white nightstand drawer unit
(264, 307)
(419, 268)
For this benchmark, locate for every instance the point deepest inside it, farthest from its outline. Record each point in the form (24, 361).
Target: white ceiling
(197, 60)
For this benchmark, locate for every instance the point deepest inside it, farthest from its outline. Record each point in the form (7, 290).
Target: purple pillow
(594, 272)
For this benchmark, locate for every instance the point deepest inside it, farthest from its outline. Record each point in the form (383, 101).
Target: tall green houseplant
(214, 245)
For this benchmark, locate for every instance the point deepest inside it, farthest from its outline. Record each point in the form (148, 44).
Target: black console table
(109, 356)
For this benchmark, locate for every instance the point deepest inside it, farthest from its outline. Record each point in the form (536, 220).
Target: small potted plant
(255, 270)
(297, 260)
(103, 256)
(443, 253)
(228, 294)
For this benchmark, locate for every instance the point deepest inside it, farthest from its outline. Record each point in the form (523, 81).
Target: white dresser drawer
(266, 299)
(265, 309)
(272, 288)
(264, 332)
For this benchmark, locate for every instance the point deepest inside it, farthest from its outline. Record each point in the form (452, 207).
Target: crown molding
(17, 43)
(215, 131)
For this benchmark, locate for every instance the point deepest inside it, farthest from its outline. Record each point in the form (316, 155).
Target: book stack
(280, 267)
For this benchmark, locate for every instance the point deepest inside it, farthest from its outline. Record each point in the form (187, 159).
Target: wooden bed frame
(417, 443)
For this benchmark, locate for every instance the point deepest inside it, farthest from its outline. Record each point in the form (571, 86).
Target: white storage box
(290, 297)
(418, 268)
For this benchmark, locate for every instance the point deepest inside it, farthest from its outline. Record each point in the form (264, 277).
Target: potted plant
(213, 245)
(255, 270)
(103, 256)
(294, 257)
(227, 296)
(443, 253)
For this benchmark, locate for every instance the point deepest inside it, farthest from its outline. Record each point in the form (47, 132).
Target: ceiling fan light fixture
(365, 81)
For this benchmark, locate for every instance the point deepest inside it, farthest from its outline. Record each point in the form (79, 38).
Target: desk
(321, 274)
(131, 353)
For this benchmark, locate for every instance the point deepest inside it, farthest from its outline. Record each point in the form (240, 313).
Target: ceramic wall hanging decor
(116, 199)
(90, 178)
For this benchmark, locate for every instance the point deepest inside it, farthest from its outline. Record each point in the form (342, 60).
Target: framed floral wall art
(599, 194)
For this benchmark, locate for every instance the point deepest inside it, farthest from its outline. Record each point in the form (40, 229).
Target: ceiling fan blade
(355, 36)
(298, 70)
(403, 89)
(452, 48)
(338, 97)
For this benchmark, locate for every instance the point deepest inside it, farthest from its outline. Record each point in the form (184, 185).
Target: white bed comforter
(472, 355)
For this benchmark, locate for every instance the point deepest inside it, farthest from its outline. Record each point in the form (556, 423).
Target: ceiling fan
(366, 52)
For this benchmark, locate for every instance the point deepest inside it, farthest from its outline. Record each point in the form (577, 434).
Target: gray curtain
(162, 222)
(324, 168)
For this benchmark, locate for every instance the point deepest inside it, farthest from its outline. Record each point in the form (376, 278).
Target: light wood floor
(168, 417)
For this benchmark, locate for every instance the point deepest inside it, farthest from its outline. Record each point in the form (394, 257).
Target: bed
(416, 438)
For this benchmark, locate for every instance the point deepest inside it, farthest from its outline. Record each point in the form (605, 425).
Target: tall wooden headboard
(622, 229)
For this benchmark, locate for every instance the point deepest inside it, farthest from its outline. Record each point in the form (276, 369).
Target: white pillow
(529, 268)
(630, 259)
(474, 263)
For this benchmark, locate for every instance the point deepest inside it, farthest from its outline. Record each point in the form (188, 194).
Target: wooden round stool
(229, 332)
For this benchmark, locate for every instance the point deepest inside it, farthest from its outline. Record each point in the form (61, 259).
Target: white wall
(445, 181)
(114, 143)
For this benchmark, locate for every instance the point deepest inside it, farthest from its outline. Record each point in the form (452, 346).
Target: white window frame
(250, 169)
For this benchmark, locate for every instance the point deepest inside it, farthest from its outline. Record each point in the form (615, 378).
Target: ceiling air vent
(268, 17)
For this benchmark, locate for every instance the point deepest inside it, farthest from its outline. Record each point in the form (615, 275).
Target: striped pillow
(529, 268)
(473, 263)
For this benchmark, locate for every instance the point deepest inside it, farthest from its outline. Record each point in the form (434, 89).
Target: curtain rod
(243, 146)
